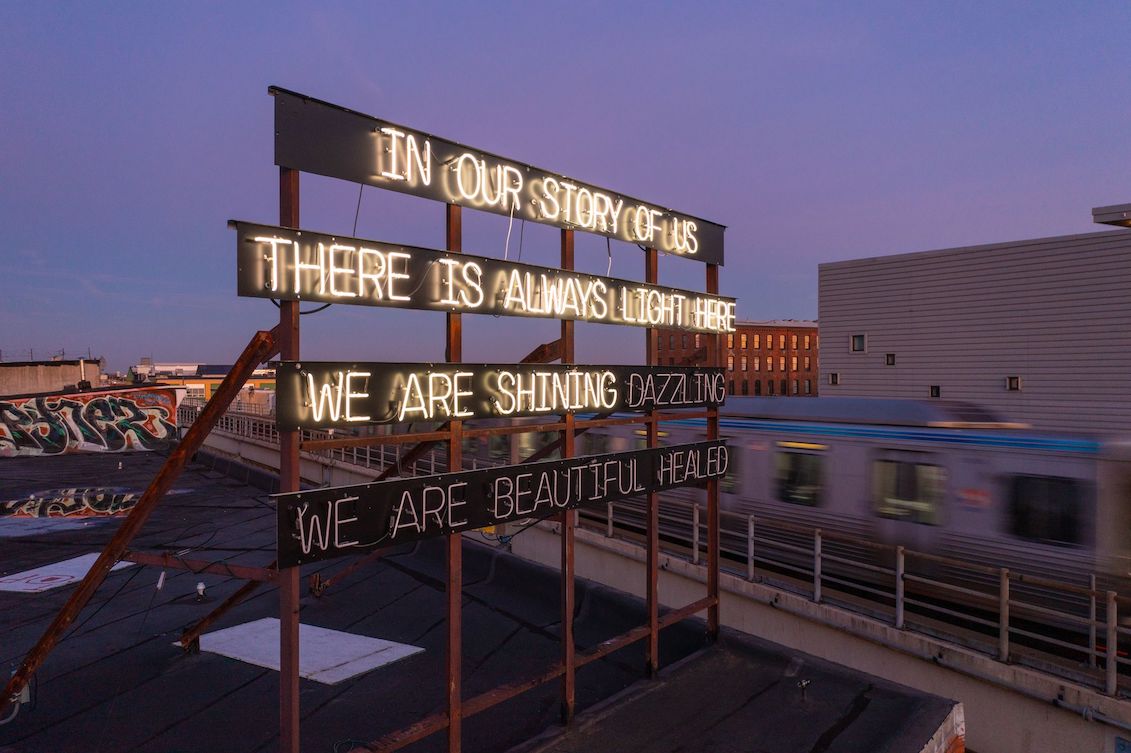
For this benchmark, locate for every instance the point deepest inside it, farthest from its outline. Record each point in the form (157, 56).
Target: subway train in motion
(940, 477)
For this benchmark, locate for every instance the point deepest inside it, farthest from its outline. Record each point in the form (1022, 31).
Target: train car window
(729, 484)
(908, 491)
(798, 477)
(1046, 509)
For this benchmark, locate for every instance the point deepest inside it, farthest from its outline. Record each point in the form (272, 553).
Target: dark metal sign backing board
(330, 394)
(318, 137)
(289, 264)
(325, 523)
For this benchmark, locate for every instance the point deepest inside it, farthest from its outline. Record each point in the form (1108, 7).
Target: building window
(1013, 383)
(808, 364)
(781, 363)
(757, 340)
(744, 363)
(683, 341)
(908, 491)
(807, 342)
(730, 363)
(697, 340)
(757, 386)
(742, 339)
(795, 389)
(798, 478)
(1046, 509)
(784, 387)
(781, 342)
(889, 359)
(808, 386)
(858, 343)
(730, 390)
(769, 386)
(730, 340)
(793, 363)
(793, 341)
(769, 363)
(834, 378)
(757, 363)
(745, 387)
(936, 390)
(671, 342)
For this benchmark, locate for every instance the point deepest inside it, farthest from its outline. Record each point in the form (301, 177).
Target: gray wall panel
(1054, 311)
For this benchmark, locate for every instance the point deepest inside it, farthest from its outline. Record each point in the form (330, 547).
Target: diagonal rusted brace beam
(190, 638)
(263, 346)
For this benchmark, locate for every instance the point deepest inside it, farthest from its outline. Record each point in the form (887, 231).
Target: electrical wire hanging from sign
(510, 224)
(353, 233)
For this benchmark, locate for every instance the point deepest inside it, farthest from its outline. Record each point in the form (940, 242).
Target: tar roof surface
(116, 682)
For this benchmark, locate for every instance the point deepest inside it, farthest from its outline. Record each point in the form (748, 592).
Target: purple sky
(130, 134)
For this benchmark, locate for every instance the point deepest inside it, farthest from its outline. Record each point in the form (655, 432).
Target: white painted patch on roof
(328, 656)
(51, 576)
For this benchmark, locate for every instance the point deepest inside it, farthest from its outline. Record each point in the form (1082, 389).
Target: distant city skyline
(814, 132)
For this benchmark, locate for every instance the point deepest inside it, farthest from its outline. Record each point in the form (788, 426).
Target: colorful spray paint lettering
(92, 422)
(77, 502)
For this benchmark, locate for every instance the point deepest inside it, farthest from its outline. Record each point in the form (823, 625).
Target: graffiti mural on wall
(71, 503)
(91, 422)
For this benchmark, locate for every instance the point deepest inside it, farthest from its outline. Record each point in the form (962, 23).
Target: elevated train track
(1063, 627)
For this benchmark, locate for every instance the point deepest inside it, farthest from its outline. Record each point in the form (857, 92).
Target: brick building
(762, 358)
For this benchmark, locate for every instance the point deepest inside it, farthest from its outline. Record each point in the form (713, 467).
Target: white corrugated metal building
(1037, 330)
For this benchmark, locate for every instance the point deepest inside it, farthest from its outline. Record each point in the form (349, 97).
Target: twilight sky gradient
(131, 132)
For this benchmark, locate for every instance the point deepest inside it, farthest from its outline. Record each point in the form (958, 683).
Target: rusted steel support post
(651, 355)
(454, 354)
(568, 519)
(261, 348)
(713, 359)
(289, 736)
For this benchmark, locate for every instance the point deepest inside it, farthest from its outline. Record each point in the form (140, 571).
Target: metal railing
(1007, 615)
(1018, 621)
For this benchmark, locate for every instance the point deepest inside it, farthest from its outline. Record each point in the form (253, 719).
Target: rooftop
(117, 682)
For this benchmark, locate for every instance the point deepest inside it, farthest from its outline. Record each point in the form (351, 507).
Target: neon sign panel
(326, 523)
(283, 263)
(319, 137)
(319, 394)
